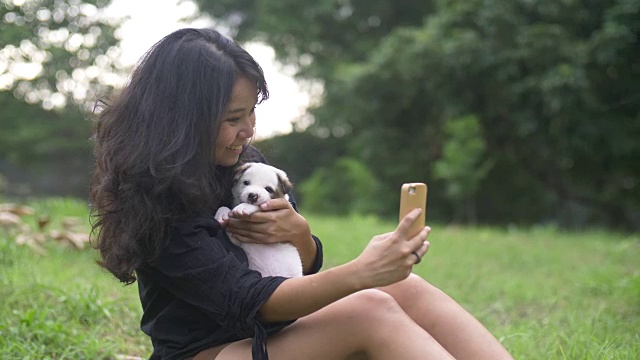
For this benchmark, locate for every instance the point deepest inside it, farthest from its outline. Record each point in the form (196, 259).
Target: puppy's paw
(244, 209)
(222, 215)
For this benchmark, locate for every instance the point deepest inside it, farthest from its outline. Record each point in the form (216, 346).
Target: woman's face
(238, 122)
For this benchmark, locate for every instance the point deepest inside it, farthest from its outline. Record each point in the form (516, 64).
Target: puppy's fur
(254, 184)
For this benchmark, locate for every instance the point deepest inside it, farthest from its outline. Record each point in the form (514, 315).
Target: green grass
(62, 305)
(544, 293)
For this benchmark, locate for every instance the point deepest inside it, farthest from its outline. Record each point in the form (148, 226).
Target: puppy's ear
(239, 170)
(284, 181)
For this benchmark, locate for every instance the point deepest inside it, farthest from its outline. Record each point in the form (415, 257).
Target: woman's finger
(423, 249)
(416, 256)
(406, 222)
(422, 243)
(416, 241)
(249, 235)
(275, 204)
(246, 226)
(242, 238)
(274, 209)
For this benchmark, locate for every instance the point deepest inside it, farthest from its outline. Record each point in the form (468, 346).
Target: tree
(317, 35)
(346, 187)
(463, 164)
(56, 53)
(558, 96)
(56, 58)
(291, 152)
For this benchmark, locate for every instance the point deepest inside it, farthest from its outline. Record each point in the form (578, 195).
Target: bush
(346, 187)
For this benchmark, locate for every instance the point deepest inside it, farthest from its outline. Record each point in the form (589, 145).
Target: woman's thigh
(326, 334)
(442, 317)
(345, 329)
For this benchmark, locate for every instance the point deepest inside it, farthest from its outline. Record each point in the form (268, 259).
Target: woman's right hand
(389, 258)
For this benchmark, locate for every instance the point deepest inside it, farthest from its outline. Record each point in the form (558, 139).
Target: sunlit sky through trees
(143, 22)
(150, 20)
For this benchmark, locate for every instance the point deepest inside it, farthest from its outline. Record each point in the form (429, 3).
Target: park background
(523, 116)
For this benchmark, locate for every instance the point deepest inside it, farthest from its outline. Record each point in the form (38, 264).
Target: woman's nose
(247, 131)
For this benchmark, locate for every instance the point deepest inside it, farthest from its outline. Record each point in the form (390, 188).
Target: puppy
(254, 184)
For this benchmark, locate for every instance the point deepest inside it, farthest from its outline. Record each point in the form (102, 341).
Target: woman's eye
(246, 182)
(233, 120)
(269, 189)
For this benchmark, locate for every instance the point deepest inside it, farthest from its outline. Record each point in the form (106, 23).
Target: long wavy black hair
(154, 143)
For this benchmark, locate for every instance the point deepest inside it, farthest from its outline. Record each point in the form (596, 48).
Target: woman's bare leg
(452, 326)
(368, 325)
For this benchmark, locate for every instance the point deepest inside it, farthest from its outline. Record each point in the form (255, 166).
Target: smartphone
(414, 195)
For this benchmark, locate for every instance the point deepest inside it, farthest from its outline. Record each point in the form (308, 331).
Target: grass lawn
(544, 293)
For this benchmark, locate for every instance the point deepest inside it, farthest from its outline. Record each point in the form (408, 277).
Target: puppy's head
(256, 183)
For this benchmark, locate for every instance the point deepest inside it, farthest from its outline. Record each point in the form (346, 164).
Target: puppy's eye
(246, 182)
(269, 189)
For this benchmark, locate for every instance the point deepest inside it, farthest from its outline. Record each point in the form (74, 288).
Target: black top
(200, 293)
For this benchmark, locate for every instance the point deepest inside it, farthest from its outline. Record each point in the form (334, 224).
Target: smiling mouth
(234, 147)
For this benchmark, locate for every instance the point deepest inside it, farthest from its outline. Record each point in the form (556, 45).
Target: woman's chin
(227, 160)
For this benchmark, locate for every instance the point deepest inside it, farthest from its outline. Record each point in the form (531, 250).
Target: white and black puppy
(254, 184)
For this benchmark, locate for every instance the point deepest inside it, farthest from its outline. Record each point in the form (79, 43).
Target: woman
(165, 147)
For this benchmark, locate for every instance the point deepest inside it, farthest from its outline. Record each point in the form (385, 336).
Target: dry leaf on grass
(20, 210)
(10, 220)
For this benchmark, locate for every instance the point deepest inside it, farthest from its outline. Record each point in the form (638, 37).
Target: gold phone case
(414, 195)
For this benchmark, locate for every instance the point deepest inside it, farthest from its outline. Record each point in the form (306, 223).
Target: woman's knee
(412, 288)
(371, 305)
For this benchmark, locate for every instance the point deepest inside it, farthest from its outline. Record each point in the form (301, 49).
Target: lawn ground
(545, 293)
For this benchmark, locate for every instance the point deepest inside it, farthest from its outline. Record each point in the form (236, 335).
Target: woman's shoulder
(197, 233)
(196, 223)
(197, 243)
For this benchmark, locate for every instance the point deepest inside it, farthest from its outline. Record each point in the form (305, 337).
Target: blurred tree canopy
(554, 85)
(56, 57)
(463, 164)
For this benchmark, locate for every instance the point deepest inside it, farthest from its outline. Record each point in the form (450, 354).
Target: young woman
(165, 146)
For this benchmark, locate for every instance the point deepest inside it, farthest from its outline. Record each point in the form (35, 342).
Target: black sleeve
(317, 262)
(199, 267)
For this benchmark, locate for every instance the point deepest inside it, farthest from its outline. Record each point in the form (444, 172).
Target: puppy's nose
(253, 197)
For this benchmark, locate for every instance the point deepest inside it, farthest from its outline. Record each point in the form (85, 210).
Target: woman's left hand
(276, 222)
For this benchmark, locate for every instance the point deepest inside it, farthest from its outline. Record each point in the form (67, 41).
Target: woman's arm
(387, 259)
(301, 296)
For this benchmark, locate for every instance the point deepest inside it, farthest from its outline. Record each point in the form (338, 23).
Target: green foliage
(70, 45)
(284, 151)
(344, 188)
(317, 35)
(463, 164)
(33, 135)
(71, 52)
(558, 96)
